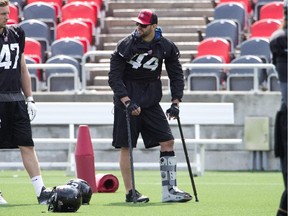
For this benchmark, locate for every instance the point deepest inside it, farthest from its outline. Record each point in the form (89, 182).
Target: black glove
(131, 106)
(173, 111)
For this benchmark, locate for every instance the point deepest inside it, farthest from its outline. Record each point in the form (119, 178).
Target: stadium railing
(256, 67)
(59, 66)
(73, 114)
(87, 67)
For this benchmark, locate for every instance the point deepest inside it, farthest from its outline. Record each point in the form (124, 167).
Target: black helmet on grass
(64, 198)
(84, 188)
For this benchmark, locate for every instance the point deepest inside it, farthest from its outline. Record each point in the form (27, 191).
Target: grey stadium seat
(44, 12)
(38, 30)
(239, 79)
(61, 79)
(224, 28)
(33, 73)
(205, 79)
(68, 46)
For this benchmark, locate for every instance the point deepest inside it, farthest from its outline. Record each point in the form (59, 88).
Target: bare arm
(25, 78)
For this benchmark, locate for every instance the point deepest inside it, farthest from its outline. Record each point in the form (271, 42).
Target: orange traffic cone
(84, 157)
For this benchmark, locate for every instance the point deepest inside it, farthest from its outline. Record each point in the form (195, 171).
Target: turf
(219, 194)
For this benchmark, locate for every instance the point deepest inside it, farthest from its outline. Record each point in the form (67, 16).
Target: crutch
(187, 159)
(131, 155)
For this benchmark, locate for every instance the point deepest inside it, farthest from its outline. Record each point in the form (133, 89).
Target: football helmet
(64, 198)
(84, 188)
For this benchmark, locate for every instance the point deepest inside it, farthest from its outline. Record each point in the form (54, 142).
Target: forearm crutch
(131, 156)
(187, 160)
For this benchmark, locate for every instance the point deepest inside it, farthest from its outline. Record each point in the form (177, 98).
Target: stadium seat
(98, 3)
(57, 4)
(259, 5)
(246, 3)
(44, 12)
(224, 28)
(264, 27)
(234, 11)
(205, 79)
(82, 11)
(61, 79)
(272, 10)
(75, 29)
(100, 11)
(18, 3)
(38, 30)
(33, 49)
(68, 46)
(14, 14)
(239, 79)
(273, 82)
(33, 73)
(257, 46)
(215, 46)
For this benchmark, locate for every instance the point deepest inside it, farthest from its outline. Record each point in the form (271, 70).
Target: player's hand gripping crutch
(131, 154)
(172, 113)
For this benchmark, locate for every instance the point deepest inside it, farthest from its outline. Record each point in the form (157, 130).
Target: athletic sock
(167, 153)
(37, 184)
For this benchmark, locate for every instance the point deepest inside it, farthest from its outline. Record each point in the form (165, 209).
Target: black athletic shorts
(15, 127)
(152, 124)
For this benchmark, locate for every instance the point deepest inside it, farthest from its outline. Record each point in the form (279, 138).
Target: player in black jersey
(135, 78)
(16, 109)
(278, 47)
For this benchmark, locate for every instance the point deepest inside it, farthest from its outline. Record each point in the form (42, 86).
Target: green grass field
(219, 193)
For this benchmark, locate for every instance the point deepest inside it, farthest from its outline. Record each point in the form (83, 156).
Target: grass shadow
(139, 205)
(16, 205)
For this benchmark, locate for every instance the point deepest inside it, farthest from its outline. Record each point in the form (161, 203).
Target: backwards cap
(146, 17)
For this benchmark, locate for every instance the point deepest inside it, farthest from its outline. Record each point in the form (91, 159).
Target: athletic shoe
(175, 195)
(44, 196)
(139, 197)
(2, 200)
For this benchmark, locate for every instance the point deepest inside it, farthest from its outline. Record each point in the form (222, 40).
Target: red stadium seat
(33, 49)
(75, 29)
(99, 3)
(82, 11)
(246, 3)
(215, 46)
(264, 27)
(14, 14)
(272, 10)
(57, 4)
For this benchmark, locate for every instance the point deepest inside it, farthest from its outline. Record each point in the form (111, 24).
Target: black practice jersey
(278, 46)
(12, 42)
(135, 69)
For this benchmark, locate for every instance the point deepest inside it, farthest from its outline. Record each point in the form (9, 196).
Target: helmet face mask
(84, 188)
(64, 198)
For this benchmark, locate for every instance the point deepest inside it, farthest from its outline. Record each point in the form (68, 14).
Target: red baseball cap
(146, 17)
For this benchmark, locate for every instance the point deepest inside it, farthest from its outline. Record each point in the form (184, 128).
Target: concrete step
(170, 12)
(175, 37)
(166, 29)
(111, 22)
(181, 45)
(112, 6)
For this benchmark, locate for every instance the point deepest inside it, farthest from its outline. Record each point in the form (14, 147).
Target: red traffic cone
(84, 157)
